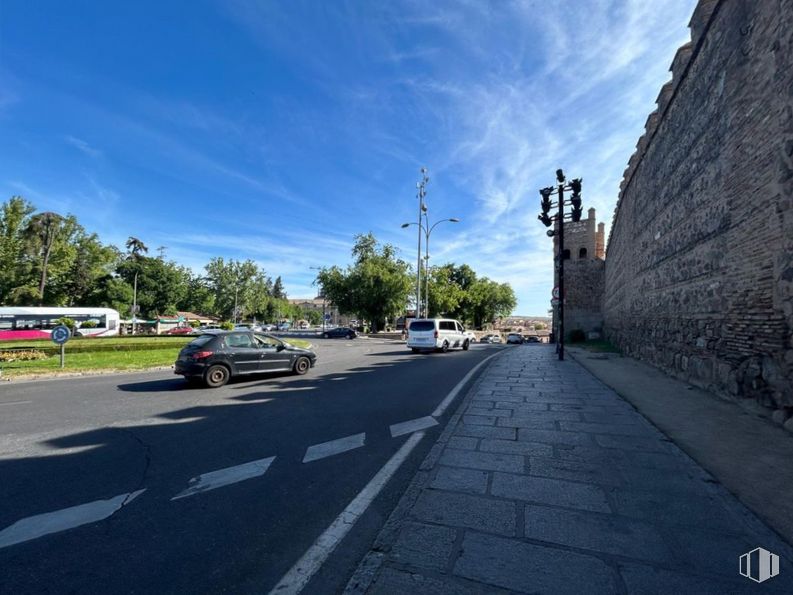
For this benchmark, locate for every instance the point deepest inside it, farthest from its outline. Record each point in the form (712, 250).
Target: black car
(215, 358)
(340, 332)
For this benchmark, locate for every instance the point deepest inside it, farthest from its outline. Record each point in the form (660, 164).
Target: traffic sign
(555, 293)
(60, 334)
(327, 316)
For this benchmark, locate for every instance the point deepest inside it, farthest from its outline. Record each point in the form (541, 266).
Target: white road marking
(333, 447)
(61, 520)
(15, 402)
(412, 425)
(300, 574)
(224, 477)
(451, 396)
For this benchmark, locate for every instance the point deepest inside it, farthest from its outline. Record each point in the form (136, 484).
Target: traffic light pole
(560, 338)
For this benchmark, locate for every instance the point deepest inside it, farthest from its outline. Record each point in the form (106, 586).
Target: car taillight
(436, 333)
(201, 354)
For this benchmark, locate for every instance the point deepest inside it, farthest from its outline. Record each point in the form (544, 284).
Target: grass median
(97, 354)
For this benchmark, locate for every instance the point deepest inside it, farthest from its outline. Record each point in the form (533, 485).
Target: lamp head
(454, 220)
(404, 225)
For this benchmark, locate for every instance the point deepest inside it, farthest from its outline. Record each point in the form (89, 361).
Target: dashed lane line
(307, 566)
(333, 447)
(412, 425)
(61, 520)
(223, 477)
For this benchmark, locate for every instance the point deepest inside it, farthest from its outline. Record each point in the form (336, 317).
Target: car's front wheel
(445, 347)
(302, 366)
(465, 346)
(216, 376)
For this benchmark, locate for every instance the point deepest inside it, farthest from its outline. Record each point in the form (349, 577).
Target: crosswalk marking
(223, 477)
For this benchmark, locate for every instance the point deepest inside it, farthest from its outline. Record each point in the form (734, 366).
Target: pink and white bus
(37, 323)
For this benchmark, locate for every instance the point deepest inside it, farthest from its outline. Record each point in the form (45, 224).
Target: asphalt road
(129, 445)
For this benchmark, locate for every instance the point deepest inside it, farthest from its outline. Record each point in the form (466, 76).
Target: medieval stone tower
(584, 275)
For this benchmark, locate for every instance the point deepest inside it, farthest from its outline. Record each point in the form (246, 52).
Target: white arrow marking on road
(224, 477)
(333, 447)
(412, 425)
(61, 520)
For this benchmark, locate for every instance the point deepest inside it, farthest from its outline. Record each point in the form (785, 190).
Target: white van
(430, 334)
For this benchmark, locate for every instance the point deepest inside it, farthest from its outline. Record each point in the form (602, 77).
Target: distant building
(320, 304)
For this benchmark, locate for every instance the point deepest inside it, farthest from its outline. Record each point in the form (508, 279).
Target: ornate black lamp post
(546, 204)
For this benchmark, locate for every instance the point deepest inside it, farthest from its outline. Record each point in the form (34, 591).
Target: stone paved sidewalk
(546, 481)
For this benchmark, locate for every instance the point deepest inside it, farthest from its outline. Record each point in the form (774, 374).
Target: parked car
(490, 339)
(215, 358)
(340, 332)
(267, 328)
(180, 330)
(531, 338)
(515, 339)
(284, 326)
(431, 334)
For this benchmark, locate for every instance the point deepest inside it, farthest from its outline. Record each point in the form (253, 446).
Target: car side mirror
(280, 347)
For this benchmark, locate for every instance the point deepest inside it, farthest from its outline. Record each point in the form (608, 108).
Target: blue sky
(277, 131)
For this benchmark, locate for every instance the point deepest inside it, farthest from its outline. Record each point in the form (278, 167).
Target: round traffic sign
(555, 293)
(61, 334)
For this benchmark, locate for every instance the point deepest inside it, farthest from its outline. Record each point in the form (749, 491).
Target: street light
(427, 229)
(422, 192)
(324, 320)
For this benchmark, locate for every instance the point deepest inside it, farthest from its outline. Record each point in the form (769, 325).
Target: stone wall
(699, 267)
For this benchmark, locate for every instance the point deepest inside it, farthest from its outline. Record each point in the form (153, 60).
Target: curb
(57, 375)
(363, 576)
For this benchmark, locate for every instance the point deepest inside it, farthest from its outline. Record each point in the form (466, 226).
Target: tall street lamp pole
(427, 231)
(422, 192)
(324, 320)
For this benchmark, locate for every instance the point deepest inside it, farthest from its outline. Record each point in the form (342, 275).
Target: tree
(490, 300)
(375, 287)
(445, 294)
(278, 289)
(42, 231)
(14, 215)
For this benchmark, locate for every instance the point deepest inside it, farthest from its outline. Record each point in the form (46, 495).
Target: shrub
(227, 326)
(195, 323)
(21, 355)
(577, 336)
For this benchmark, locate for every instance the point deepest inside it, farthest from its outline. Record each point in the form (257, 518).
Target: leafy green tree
(161, 284)
(375, 287)
(14, 216)
(490, 300)
(445, 294)
(278, 289)
(43, 230)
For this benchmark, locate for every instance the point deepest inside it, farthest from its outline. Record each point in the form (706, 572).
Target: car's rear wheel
(465, 346)
(350, 336)
(326, 336)
(216, 376)
(302, 366)
(414, 350)
(445, 347)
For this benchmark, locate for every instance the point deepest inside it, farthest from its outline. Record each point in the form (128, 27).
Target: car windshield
(422, 325)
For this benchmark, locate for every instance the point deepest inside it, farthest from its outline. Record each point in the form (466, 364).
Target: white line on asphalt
(412, 425)
(451, 396)
(224, 477)
(299, 575)
(333, 447)
(15, 402)
(61, 520)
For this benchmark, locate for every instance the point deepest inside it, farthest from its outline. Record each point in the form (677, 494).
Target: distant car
(214, 358)
(496, 339)
(268, 328)
(515, 339)
(284, 326)
(490, 339)
(531, 339)
(340, 332)
(471, 336)
(242, 327)
(180, 330)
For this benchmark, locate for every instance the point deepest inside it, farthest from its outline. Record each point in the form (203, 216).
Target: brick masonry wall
(699, 267)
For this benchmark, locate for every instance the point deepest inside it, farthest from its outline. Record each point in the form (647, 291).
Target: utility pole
(548, 220)
(422, 192)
